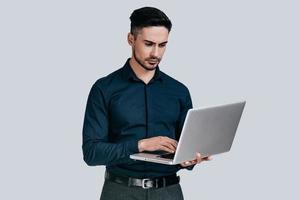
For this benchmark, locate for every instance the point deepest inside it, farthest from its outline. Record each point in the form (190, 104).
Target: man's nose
(155, 52)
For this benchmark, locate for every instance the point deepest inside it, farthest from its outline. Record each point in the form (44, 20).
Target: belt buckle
(145, 184)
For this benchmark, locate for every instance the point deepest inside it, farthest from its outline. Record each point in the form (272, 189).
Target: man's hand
(157, 143)
(198, 160)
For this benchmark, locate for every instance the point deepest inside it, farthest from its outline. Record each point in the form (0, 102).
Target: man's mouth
(152, 62)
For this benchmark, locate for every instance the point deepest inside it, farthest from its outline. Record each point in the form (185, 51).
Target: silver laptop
(209, 130)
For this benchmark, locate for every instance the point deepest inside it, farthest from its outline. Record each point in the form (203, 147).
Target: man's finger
(198, 158)
(169, 139)
(169, 143)
(169, 146)
(207, 158)
(188, 163)
(164, 148)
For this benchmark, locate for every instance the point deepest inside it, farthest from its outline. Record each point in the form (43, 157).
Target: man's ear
(130, 39)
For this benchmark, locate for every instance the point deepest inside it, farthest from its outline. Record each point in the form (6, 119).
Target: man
(134, 109)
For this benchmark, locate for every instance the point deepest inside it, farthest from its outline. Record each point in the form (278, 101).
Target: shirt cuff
(132, 146)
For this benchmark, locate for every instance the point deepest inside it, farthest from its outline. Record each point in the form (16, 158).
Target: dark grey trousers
(115, 191)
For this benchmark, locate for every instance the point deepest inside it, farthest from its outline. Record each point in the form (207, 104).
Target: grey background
(51, 52)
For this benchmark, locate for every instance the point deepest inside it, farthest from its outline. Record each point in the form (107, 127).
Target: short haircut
(148, 16)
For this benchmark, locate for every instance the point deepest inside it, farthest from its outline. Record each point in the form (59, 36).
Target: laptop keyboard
(167, 155)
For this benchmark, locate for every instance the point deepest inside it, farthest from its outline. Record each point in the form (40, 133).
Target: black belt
(145, 183)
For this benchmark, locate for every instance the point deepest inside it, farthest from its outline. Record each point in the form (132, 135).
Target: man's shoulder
(174, 82)
(108, 80)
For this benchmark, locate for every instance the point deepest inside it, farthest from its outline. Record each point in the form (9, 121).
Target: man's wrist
(140, 145)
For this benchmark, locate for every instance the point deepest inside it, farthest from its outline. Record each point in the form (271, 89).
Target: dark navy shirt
(121, 110)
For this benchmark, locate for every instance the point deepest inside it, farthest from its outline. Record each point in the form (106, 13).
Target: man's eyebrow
(154, 42)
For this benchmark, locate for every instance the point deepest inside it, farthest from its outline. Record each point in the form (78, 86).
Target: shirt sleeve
(97, 150)
(185, 106)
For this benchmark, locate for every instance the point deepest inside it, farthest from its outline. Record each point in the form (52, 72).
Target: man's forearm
(103, 153)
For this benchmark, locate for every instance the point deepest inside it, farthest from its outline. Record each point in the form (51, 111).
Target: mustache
(153, 59)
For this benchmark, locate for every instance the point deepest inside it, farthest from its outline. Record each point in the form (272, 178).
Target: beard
(143, 65)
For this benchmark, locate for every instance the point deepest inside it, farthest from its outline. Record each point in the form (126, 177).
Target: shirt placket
(146, 91)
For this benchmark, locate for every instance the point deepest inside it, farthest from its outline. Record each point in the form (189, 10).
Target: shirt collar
(129, 74)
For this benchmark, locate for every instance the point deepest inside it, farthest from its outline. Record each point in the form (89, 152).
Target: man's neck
(140, 72)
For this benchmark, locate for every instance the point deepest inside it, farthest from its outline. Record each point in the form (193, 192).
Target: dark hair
(148, 16)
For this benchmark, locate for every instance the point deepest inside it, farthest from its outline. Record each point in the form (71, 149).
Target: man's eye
(148, 44)
(162, 45)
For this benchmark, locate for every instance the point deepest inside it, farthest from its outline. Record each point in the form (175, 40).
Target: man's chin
(150, 67)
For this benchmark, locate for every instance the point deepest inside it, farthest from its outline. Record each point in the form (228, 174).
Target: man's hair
(148, 16)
